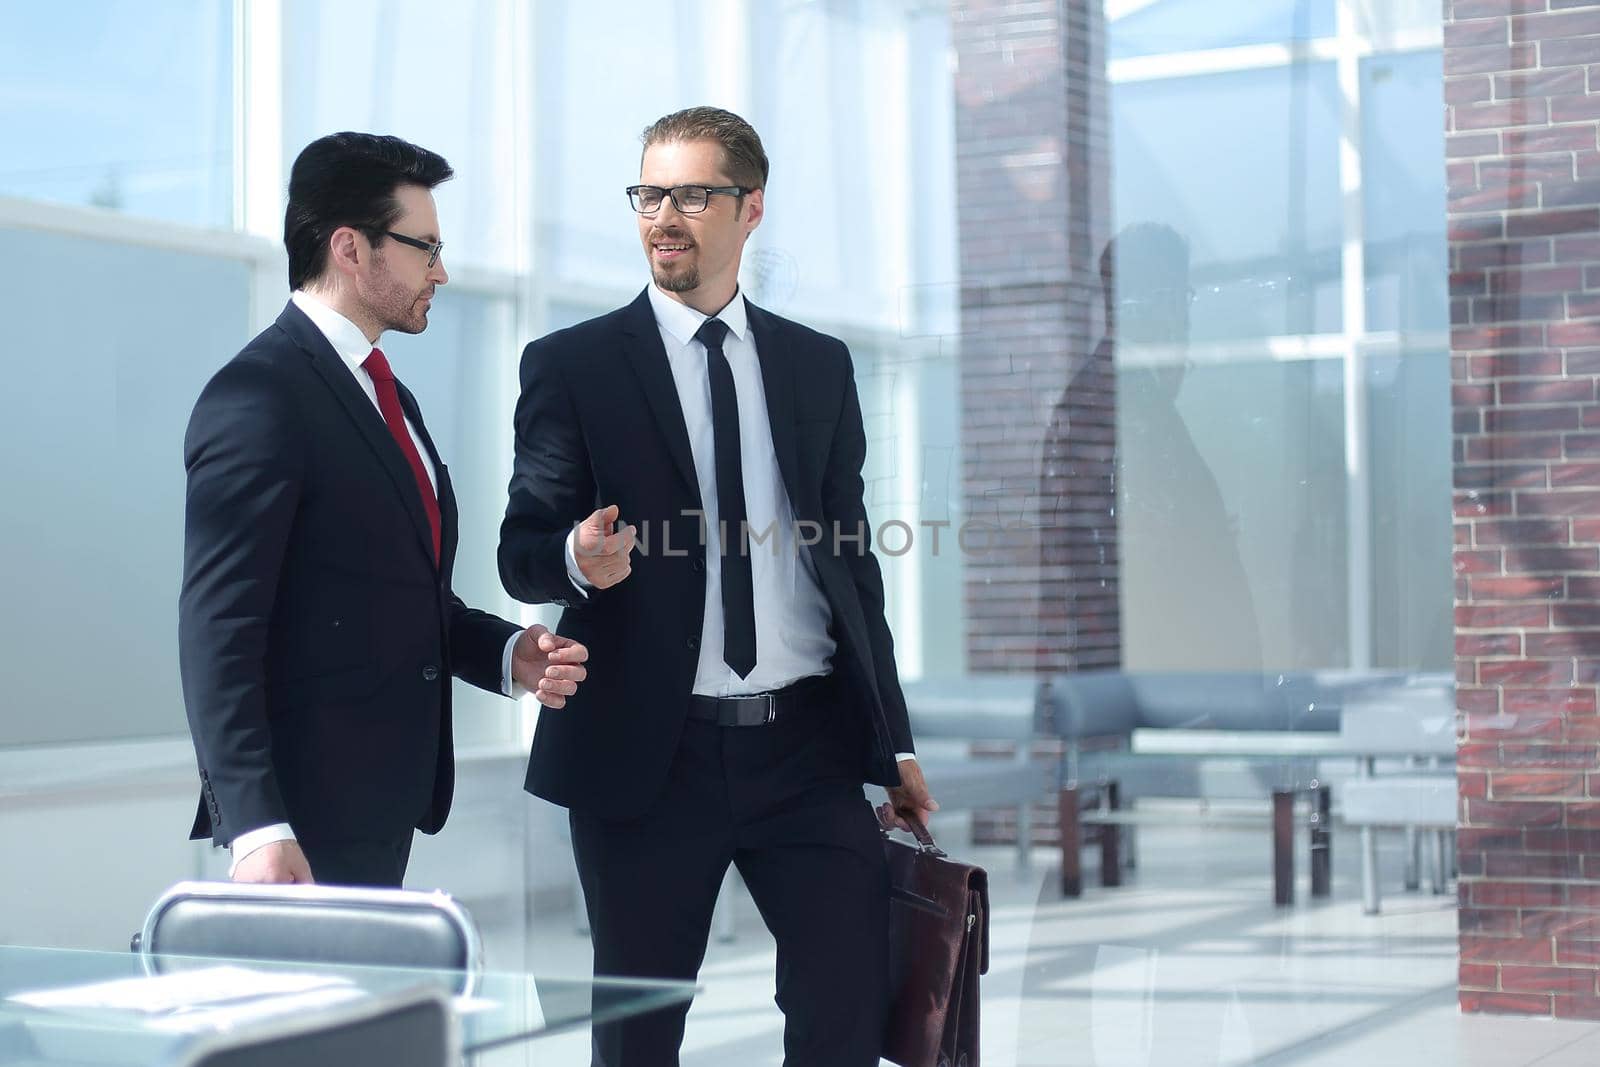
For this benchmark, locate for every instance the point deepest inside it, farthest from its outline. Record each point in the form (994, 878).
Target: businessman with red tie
(318, 631)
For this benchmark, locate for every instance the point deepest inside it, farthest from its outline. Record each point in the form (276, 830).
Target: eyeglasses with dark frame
(433, 248)
(688, 199)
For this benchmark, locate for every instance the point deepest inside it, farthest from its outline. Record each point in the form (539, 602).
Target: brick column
(1522, 94)
(1032, 181)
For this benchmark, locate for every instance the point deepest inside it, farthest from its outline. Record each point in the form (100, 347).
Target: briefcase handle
(925, 842)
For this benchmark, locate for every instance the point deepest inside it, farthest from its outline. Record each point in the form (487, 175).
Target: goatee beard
(677, 283)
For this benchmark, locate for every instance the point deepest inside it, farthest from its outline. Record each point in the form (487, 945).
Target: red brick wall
(1032, 184)
(1522, 113)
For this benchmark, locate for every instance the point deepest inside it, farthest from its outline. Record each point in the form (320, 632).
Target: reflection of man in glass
(1079, 602)
(1186, 602)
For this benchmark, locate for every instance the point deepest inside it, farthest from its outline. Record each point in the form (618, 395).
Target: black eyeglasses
(688, 199)
(433, 248)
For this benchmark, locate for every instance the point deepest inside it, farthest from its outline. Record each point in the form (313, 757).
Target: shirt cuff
(255, 840)
(508, 682)
(574, 575)
(901, 757)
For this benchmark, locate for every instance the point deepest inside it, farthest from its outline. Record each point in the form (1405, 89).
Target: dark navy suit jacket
(599, 423)
(317, 635)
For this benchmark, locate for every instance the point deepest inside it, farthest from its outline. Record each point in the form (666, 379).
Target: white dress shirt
(791, 613)
(353, 349)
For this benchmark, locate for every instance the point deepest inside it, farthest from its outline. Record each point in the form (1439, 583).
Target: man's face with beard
(695, 255)
(397, 288)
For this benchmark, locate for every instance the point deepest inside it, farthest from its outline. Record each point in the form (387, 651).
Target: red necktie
(389, 403)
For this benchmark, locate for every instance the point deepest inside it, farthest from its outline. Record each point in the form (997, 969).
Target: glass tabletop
(71, 1005)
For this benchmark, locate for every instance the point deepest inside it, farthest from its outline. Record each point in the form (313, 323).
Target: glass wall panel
(842, 192)
(1402, 180)
(1158, 27)
(911, 388)
(1383, 20)
(122, 106)
(587, 146)
(94, 447)
(446, 83)
(1231, 498)
(1245, 166)
(1246, 395)
(847, 180)
(1408, 406)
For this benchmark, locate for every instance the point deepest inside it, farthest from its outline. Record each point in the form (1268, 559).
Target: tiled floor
(1187, 964)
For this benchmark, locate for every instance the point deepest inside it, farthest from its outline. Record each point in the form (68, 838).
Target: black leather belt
(760, 709)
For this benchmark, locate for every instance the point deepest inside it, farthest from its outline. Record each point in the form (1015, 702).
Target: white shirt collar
(345, 336)
(682, 321)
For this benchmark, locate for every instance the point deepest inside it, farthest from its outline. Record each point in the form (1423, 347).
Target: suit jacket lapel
(363, 413)
(648, 357)
(777, 379)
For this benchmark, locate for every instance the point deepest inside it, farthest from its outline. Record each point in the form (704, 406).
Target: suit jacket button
(430, 673)
(693, 643)
(698, 566)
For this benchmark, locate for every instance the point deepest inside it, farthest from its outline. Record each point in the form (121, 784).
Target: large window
(1167, 27)
(444, 80)
(1284, 464)
(122, 119)
(1278, 450)
(126, 107)
(1256, 197)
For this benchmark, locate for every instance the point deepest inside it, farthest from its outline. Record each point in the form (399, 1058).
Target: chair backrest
(1083, 704)
(977, 706)
(410, 1029)
(314, 924)
(1239, 700)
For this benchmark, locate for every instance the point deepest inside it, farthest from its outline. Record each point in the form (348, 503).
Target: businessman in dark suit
(317, 630)
(744, 683)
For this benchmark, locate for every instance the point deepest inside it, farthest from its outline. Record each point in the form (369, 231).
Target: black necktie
(738, 588)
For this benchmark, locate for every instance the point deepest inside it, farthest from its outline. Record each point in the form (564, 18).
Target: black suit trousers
(377, 864)
(783, 803)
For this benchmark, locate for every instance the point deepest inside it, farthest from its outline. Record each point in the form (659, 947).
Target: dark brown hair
(742, 155)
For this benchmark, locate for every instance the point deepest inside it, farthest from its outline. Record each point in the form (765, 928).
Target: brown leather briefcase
(938, 946)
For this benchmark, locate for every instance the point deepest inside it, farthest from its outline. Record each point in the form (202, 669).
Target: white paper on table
(207, 990)
(235, 1013)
